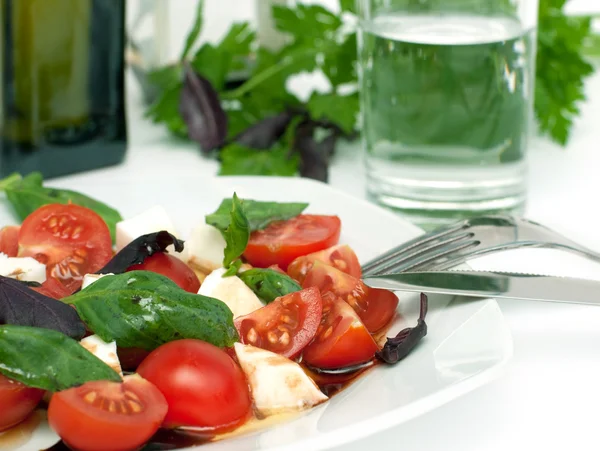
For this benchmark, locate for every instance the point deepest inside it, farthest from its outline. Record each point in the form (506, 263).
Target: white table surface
(549, 396)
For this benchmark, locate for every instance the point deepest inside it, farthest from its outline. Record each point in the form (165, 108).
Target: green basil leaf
(29, 194)
(259, 214)
(233, 268)
(334, 108)
(142, 309)
(47, 359)
(237, 232)
(269, 284)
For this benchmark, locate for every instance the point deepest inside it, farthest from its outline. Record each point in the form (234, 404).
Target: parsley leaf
(340, 110)
(560, 69)
(348, 5)
(307, 23)
(237, 233)
(241, 160)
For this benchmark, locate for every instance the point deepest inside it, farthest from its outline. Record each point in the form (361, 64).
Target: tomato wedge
(17, 401)
(375, 307)
(341, 257)
(70, 240)
(283, 241)
(53, 289)
(9, 240)
(286, 325)
(341, 340)
(171, 267)
(108, 416)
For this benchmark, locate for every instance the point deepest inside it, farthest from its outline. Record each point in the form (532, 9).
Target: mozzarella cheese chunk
(232, 291)
(22, 268)
(107, 352)
(89, 279)
(152, 220)
(278, 385)
(205, 248)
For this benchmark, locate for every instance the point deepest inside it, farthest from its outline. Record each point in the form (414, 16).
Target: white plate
(467, 344)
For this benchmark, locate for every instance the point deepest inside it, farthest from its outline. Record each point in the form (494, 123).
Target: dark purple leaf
(397, 348)
(22, 306)
(314, 154)
(140, 248)
(265, 133)
(200, 107)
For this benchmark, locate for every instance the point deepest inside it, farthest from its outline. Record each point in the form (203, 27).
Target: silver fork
(452, 245)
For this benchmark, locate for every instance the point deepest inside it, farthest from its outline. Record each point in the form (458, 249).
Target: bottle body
(63, 95)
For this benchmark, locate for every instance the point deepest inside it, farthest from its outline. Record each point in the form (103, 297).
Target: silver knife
(494, 284)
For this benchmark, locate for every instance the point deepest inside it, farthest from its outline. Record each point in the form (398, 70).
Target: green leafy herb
(241, 160)
(233, 268)
(259, 214)
(269, 284)
(237, 232)
(333, 108)
(194, 33)
(27, 194)
(47, 359)
(142, 309)
(560, 69)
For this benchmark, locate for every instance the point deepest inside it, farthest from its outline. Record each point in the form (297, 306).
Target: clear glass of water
(447, 91)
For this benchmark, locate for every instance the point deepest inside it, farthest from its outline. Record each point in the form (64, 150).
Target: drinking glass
(447, 104)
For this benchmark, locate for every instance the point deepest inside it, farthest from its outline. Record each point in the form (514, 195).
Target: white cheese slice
(22, 268)
(205, 248)
(278, 385)
(152, 220)
(89, 279)
(107, 352)
(232, 291)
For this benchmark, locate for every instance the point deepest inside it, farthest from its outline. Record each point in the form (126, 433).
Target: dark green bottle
(62, 81)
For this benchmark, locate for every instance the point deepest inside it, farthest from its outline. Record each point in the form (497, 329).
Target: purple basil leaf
(263, 134)
(22, 306)
(314, 154)
(139, 249)
(397, 348)
(200, 107)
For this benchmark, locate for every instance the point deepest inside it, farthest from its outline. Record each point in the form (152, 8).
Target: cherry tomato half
(107, 416)
(53, 289)
(375, 307)
(70, 240)
(342, 340)
(341, 257)
(283, 241)
(171, 267)
(17, 401)
(9, 240)
(203, 386)
(284, 326)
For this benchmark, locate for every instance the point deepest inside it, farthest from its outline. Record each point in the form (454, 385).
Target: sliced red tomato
(283, 241)
(203, 386)
(17, 401)
(53, 289)
(341, 257)
(9, 240)
(341, 340)
(70, 240)
(171, 267)
(284, 326)
(107, 416)
(374, 306)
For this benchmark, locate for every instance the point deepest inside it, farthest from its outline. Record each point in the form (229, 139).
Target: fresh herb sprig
(258, 127)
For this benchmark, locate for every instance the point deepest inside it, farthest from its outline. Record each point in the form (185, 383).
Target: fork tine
(430, 260)
(420, 241)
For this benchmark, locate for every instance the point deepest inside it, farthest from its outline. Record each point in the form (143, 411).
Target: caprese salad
(125, 330)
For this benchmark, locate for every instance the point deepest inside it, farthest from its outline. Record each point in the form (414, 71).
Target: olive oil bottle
(62, 85)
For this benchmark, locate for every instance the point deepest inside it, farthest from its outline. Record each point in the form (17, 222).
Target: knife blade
(501, 285)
